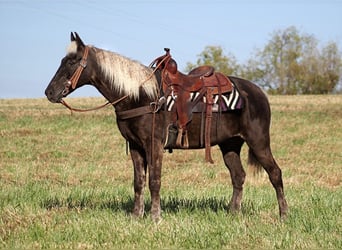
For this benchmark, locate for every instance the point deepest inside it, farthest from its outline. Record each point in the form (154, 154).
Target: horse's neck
(128, 101)
(123, 75)
(105, 91)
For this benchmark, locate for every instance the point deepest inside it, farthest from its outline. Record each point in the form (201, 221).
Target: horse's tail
(253, 162)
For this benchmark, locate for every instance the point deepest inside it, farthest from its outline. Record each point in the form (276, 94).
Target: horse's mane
(126, 75)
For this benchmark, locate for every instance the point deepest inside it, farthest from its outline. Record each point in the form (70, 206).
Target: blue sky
(34, 34)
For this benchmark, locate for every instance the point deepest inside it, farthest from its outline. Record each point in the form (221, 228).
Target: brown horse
(133, 90)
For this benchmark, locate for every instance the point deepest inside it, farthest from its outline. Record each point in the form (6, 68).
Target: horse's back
(256, 101)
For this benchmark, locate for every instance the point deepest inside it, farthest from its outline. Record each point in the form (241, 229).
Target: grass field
(66, 182)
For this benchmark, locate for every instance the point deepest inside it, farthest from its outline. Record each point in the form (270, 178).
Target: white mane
(126, 75)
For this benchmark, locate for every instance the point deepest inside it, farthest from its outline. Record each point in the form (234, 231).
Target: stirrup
(171, 137)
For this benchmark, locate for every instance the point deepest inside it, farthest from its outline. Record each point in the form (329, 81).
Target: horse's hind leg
(231, 155)
(264, 156)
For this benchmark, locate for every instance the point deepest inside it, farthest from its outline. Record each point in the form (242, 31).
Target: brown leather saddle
(203, 80)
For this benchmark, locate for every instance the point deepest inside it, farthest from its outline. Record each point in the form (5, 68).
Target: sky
(34, 34)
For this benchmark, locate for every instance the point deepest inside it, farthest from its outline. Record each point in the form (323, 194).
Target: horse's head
(72, 72)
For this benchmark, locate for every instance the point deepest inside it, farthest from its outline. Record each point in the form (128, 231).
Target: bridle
(72, 82)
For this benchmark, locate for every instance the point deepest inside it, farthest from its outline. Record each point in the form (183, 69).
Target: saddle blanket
(229, 101)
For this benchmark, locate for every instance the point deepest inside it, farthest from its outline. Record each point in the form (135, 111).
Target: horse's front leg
(139, 164)
(155, 164)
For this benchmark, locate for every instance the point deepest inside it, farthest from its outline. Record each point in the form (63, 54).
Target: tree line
(290, 63)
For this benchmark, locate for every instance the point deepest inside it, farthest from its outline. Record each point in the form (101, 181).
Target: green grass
(66, 182)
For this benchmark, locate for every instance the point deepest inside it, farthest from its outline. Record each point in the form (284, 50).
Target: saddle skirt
(225, 102)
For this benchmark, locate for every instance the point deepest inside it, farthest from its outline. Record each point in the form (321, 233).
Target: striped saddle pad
(228, 101)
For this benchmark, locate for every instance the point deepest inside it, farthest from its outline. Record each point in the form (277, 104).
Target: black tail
(254, 163)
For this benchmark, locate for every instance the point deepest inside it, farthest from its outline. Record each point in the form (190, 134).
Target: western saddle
(203, 80)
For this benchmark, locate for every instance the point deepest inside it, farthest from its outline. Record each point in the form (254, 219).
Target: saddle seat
(197, 79)
(204, 70)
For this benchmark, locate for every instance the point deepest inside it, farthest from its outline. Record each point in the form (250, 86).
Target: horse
(133, 90)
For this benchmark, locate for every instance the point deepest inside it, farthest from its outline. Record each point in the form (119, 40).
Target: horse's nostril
(48, 93)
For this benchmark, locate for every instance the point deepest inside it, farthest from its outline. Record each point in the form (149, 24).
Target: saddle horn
(159, 61)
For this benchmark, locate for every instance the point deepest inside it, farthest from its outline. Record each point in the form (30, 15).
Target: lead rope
(92, 109)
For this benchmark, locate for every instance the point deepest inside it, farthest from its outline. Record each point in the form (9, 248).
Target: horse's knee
(154, 185)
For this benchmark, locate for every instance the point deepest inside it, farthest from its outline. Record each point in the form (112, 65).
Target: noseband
(72, 82)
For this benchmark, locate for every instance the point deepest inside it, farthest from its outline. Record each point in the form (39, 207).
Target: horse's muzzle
(52, 97)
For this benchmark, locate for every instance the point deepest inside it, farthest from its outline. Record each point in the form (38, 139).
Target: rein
(92, 109)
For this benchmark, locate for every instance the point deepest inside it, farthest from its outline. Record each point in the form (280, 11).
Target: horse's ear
(78, 40)
(72, 37)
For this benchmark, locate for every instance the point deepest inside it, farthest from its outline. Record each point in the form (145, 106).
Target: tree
(291, 63)
(214, 56)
